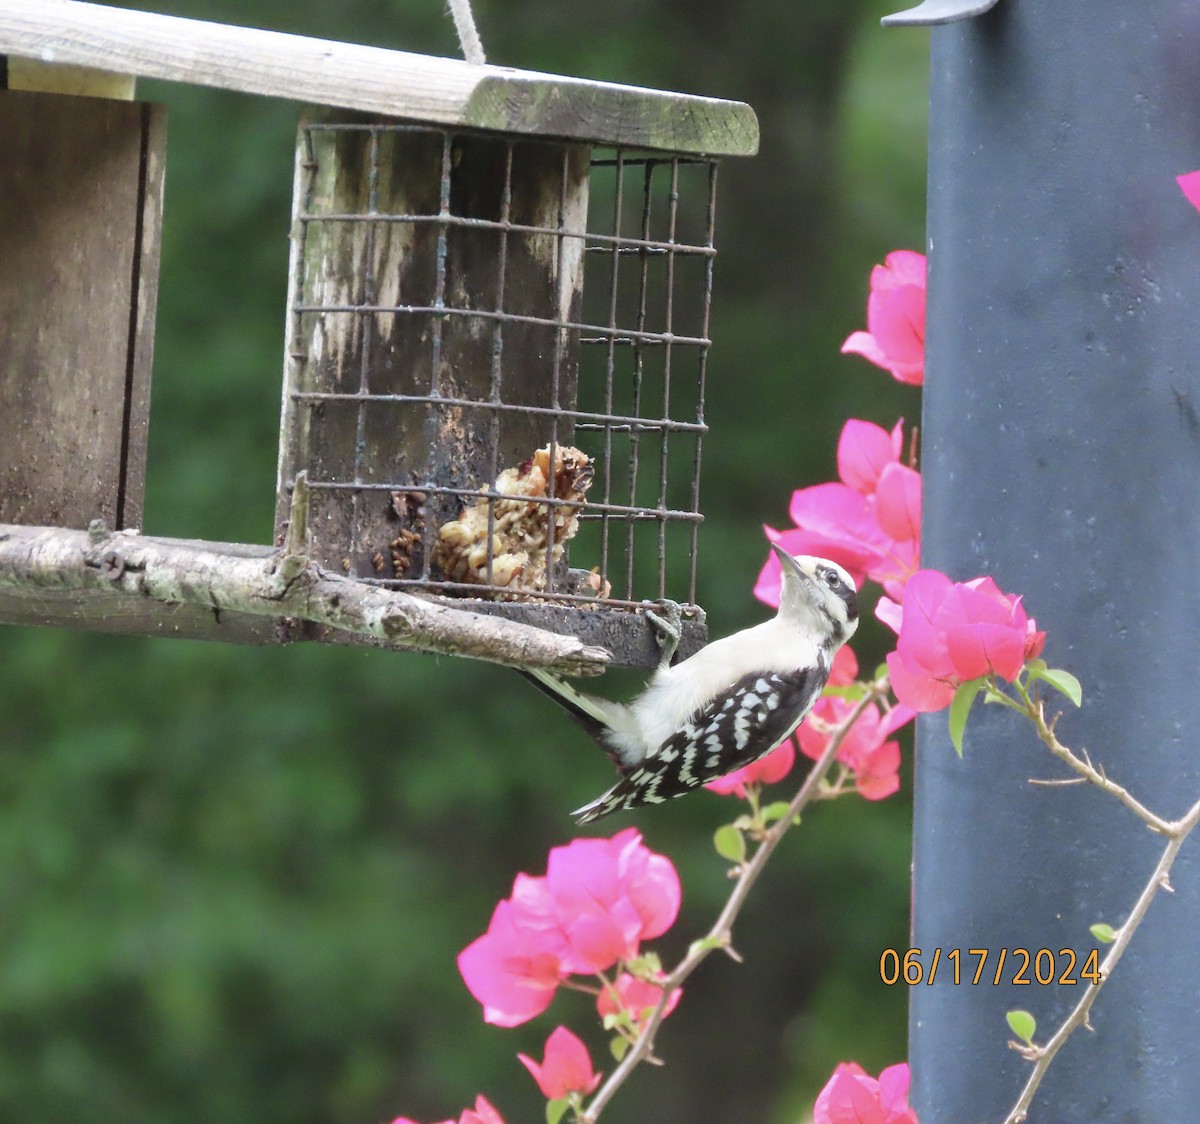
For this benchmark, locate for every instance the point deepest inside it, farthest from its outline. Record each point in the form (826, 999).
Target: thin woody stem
(1176, 832)
(1036, 711)
(1041, 1056)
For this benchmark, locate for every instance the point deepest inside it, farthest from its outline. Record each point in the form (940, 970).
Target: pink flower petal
(598, 938)
(896, 320)
(844, 517)
(482, 1113)
(890, 612)
(895, 719)
(651, 883)
(977, 649)
(895, 335)
(893, 1088)
(863, 343)
(877, 776)
(1189, 184)
(898, 502)
(852, 1096)
(566, 1067)
(916, 689)
(864, 451)
(922, 633)
(513, 973)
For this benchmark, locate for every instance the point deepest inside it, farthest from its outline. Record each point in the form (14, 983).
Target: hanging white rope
(468, 34)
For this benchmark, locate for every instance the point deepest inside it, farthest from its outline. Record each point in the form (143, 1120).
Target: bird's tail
(614, 800)
(593, 715)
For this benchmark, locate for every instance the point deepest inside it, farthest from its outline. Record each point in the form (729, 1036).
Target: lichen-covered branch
(129, 583)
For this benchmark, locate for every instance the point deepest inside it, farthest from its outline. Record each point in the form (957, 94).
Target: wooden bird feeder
(496, 336)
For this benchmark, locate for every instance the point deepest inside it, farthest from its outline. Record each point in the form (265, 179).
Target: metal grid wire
(619, 337)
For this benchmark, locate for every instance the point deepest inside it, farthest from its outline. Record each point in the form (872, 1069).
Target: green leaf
(612, 1020)
(1106, 934)
(619, 1047)
(730, 843)
(1023, 1025)
(776, 811)
(1062, 681)
(557, 1108)
(960, 708)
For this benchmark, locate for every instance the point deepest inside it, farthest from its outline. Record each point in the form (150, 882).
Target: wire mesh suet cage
(497, 331)
(496, 366)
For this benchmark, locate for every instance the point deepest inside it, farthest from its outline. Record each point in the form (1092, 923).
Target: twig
(1037, 713)
(1042, 1056)
(719, 936)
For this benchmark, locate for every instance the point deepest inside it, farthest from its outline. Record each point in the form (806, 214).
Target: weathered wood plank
(80, 214)
(59, 78)
(395, 83)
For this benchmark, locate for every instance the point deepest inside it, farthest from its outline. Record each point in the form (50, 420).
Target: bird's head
(818, 594)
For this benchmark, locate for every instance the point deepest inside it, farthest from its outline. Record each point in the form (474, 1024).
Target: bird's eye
(831, 579)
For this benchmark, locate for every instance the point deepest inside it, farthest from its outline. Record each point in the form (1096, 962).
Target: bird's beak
(789, 564)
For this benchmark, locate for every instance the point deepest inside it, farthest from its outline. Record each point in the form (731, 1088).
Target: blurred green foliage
(234, 882)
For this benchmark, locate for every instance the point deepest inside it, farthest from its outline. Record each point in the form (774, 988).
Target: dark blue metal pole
(1062, 456)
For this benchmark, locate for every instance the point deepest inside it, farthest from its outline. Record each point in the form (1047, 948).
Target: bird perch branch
(125, 582)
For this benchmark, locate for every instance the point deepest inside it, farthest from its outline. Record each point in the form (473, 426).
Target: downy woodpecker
(731, 703)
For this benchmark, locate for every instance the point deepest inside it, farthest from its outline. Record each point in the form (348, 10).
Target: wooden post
(80, 215)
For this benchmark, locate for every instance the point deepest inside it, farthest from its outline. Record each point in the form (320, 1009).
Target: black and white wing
(733, 730)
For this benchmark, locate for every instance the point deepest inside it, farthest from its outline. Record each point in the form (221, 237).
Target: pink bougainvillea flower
(866, 748)
(513, 970)
(598, 900)
(637, 996)
(895, 335)
(954, 631)
(869, 521)
(766, 770)
(1189, 184)
(611, 894)
(408, 1120)
(482, 1113)
(852, 1096)
(566, 1067)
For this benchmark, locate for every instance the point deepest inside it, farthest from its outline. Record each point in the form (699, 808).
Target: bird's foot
(668, 628)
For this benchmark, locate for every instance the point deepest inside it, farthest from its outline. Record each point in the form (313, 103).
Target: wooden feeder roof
(424, 88)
